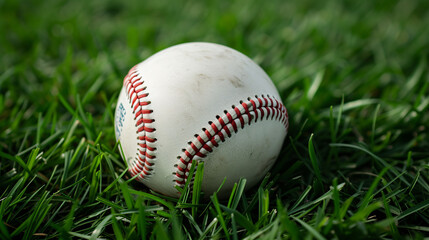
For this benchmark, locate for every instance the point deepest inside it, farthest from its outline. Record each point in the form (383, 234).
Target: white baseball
(199, 102)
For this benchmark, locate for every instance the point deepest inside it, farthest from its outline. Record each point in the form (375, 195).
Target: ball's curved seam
(254, 109)
(137, 95)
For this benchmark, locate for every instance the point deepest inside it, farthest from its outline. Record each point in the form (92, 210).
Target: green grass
(353, 74)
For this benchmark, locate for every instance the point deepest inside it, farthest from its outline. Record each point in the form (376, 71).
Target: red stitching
(246, 109)
(143, 164)
(147, 139)
(237, 111)
(203, 143)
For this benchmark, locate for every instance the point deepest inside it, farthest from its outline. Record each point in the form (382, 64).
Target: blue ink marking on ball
(120, 118)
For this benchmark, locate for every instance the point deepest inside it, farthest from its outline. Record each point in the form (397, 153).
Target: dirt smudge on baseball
(199, 81)
(236, 82)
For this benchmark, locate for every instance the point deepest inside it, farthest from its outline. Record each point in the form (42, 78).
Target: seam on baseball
(143, 163)
(253, 110)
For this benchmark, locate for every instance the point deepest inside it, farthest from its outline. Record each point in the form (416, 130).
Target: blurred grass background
(353, 75)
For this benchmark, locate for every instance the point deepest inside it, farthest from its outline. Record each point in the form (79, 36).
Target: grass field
(353, 74)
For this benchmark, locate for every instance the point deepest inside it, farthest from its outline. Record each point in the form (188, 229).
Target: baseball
(200, 102)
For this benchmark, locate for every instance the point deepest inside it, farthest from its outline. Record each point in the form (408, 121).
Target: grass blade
(315, 163)
(369, 194)
(116, 227)
(381, 161)
(196, 191)
(235, 200)
(97, 231)
(310, 229)
(302, 197)
(414, 209)
(241, 219)
(219, 215)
